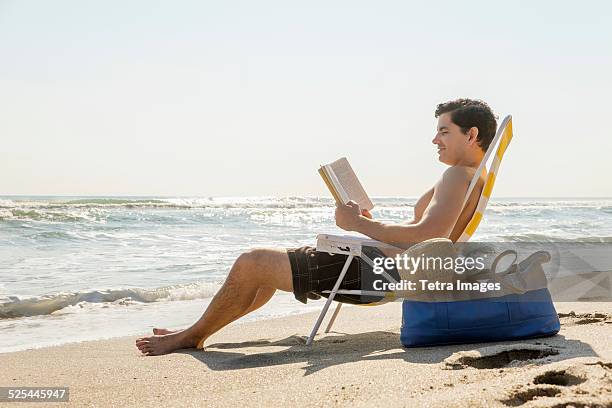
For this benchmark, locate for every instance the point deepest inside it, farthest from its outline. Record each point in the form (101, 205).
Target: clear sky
(213, 98)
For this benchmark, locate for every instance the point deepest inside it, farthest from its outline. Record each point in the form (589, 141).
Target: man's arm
(437, 221)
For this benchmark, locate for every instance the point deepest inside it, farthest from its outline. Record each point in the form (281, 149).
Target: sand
(361, 363)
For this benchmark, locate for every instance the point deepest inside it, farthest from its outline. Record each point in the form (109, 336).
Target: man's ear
(472, 135)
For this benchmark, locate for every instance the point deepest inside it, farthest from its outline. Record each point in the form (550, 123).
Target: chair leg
(333, 318)
(315, 329)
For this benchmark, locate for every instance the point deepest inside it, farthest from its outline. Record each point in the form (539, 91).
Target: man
(465, 129)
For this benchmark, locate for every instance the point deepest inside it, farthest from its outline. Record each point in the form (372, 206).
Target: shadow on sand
(342, 348)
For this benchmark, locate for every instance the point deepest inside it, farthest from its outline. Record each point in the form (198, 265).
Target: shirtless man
(465, 130)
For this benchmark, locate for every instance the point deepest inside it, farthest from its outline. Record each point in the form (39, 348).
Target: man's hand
(348, 216)
(366, 213)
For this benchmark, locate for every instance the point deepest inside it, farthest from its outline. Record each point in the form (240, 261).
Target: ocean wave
(14, 307)
(210, 202)
(555, 238)
(272, 202)
(101, 210)
(6, 203)
(112, 201)
(55, 215)
(95, 213)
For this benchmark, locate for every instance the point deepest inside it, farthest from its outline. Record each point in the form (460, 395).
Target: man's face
(451, 141)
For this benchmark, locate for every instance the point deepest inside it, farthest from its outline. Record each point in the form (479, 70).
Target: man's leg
(263, 295)
(261, 298)
(250, 284)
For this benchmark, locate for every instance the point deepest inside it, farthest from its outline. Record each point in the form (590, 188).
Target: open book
(344, 184)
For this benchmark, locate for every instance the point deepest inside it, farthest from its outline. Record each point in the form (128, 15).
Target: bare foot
(164, 331)
(158, 345)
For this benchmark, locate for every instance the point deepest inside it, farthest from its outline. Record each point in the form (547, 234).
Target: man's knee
(263, 265)
(249, 262)
(252, 258)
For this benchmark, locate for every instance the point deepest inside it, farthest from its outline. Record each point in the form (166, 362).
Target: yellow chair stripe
(505, 140)
(489, 185)
(471, 227)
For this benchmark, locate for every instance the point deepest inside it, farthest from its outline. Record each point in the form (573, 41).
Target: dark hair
(468, 113)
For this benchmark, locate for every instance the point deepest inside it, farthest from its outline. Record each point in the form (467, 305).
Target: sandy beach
(362, 363)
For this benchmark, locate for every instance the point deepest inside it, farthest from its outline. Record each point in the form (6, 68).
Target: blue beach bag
(511, 317)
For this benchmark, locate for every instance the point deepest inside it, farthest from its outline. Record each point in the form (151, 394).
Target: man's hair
(468, 113)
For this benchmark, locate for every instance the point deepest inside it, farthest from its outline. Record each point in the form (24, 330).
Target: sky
(243, 98)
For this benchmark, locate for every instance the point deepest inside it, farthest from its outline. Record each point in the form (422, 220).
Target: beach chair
(352, 245)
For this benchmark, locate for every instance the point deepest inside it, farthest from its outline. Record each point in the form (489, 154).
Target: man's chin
(443, 160)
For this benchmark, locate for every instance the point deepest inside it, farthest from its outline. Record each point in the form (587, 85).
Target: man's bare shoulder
(457, 174)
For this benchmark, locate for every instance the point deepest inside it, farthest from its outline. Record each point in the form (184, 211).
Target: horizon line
(260, 196)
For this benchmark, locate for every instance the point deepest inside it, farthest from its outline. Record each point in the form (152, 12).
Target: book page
(346, 177)
(324, 172)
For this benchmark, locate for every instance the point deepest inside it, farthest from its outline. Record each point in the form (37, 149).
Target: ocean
(86, 268)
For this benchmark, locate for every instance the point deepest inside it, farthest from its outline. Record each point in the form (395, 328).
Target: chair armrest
(347, 244)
